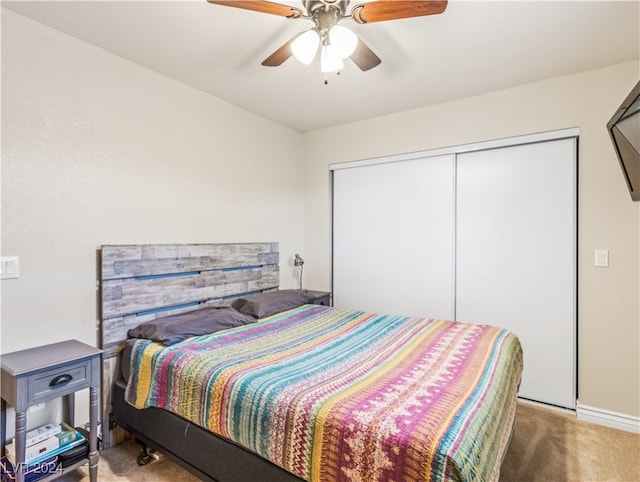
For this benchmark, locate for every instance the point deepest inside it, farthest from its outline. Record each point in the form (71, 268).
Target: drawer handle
(60, 380)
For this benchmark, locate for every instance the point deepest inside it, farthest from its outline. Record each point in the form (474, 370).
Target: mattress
(331, 394)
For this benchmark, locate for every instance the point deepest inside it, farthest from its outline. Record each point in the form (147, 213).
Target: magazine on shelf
(42, 433)
(44, 447)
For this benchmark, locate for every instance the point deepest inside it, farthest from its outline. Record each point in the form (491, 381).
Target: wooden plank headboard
(143, 282)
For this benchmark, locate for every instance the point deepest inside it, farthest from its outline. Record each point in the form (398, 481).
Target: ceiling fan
(335, 42)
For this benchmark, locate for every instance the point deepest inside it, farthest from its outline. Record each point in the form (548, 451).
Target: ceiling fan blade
(262, 6)
(364, 57)
(280, 55)
(381, 10)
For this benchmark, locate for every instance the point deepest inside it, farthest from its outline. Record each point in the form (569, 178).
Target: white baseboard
(608, 418)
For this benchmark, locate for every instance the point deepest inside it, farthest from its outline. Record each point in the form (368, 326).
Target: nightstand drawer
(59, 381)
(323, 300)
(319, 297)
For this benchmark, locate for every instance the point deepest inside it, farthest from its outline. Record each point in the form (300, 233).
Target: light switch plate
(601, 258)
(10, 267)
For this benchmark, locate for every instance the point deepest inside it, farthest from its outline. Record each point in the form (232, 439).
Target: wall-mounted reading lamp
(299, 262)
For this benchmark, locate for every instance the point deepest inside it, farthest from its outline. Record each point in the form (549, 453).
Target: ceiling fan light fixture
(305, 46)
(326, 14)
(343, 40)
(330, 61)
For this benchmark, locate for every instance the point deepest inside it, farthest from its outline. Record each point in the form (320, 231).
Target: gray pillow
(271, 302)
(175, 328)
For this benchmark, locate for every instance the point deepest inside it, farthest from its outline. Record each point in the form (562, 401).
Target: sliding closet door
(516, 256)
(393, 237)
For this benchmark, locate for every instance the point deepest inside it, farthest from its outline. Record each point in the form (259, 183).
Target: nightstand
(40, 374)
(320, 297)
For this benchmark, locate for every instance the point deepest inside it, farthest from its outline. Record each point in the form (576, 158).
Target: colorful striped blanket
(341, 395)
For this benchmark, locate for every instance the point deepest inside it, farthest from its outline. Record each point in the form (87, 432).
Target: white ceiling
(472, 48)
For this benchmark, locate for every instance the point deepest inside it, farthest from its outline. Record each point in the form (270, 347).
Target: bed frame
(143, 282)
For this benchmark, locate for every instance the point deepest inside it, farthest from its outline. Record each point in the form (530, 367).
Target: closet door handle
(60, 380)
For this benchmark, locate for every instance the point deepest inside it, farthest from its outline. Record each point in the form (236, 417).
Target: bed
(295, 391)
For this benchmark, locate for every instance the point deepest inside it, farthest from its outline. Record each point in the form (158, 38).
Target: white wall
(609, 299)
(98, 150)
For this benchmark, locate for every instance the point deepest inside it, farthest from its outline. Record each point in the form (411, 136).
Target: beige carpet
(547, 445)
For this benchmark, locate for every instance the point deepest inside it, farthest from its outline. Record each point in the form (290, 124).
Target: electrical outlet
(37, 407)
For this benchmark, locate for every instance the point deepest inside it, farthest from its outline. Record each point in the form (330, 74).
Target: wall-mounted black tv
(624, 129)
